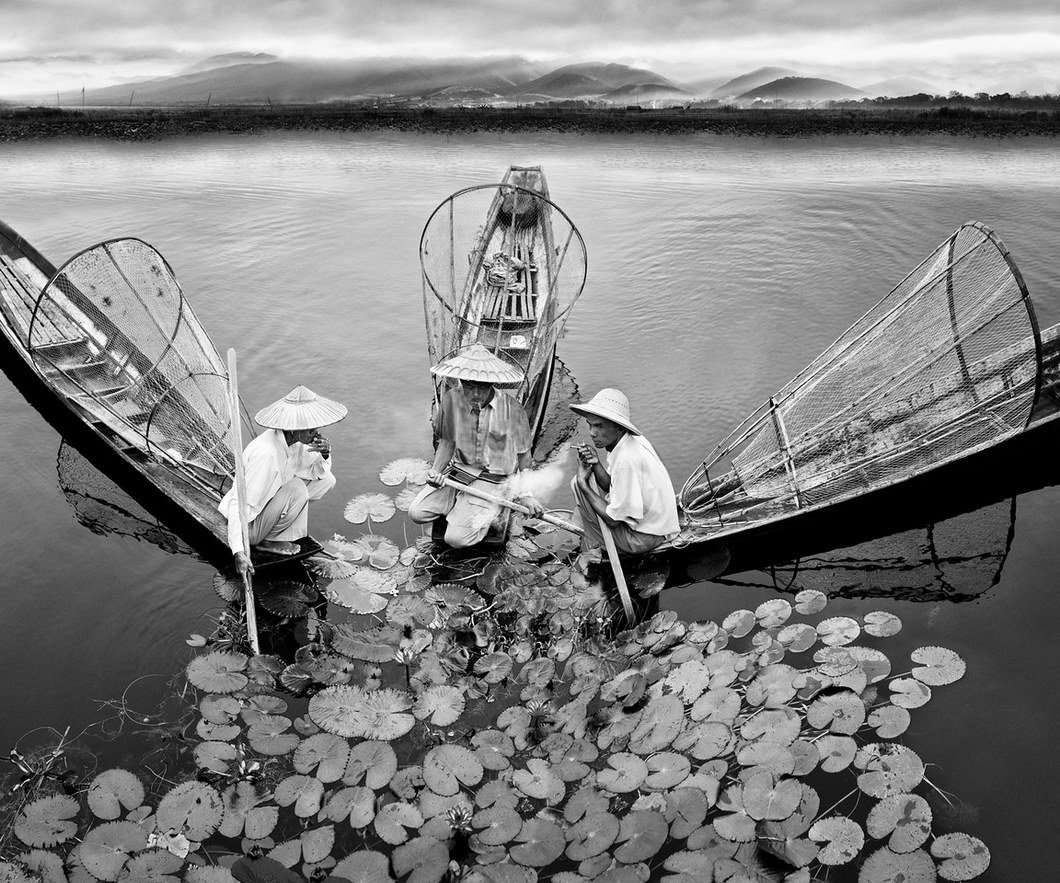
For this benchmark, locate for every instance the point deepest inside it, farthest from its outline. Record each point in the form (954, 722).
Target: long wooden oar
(509, 504)
(616, 568)
(236, 439)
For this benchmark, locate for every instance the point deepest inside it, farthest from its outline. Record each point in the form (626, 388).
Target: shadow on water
(946, 539)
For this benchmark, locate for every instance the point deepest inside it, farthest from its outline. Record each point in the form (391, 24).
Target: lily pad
(497, 824)
(493, 749)
(441, 704)
(666, 770)
(837, 631)
(905, 818)
(218, 672)
(843, 836)
(305, 792)
(836, 752)
(881, 624)
(152, 866)
(641, 833)
(424, 859)
(412, 470)
(841, 713)
(193, 807)
(360, 593)
(287, 598)
(331, 568)
(626, 772)
(447, 767)
(494, 667)
(909, 693)
(887, 866)
(773, 613)
(106, 849)
(219, 709)
(767, 800)
(326, 752)
(722, 704)
(889, 769)
(267, 735)
(370, 645)
(772, 686)
(365, 507)
(539, 843)
(739, 623)
(403, 502)
(810, 601)
(243, 815)
(539, 781)
(661, 720)
(797, 637)
(228, 589)
(706, 740)
(338, 710)
(938, 666)
(45, 865)
(963, 857)
(47, 821)
(373, 760)
(364, 866)
(689, 679)
(212, 755)
(889, 721)
(393, 819)
(592, 835)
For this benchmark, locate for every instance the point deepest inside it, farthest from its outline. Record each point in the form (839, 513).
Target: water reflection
(105, 509)
(959, 559)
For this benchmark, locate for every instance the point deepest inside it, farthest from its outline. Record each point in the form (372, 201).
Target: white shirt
(268, 464)
(641, 494)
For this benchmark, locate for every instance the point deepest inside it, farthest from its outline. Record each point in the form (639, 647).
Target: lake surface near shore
(718, 267)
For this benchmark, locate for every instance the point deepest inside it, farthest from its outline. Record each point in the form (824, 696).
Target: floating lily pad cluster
(491, 727)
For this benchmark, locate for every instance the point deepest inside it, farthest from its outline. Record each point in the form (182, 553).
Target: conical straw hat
(301, 408)
(611, 404)
(479, 364)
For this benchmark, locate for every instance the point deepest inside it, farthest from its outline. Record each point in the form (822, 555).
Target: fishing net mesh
(948, 361)
(501, 266)
(133, 354)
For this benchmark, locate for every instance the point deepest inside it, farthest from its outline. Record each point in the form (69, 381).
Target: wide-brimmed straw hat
(611, 404)
(478, 364)
(301, 408)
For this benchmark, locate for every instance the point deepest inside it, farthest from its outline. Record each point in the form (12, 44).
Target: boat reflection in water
(105, 509)
(958, 559)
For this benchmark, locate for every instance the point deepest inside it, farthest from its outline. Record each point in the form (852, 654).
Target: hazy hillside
(802, 89)
(896, 87)
(591, 79)
(647, 93)
(229, 59)
(305, 82)
(745, 82)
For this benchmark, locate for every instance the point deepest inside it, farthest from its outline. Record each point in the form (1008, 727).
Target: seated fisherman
(632, 494)
(285, 468)
(483, 433)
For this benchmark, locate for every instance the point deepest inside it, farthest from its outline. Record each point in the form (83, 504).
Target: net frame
(164, 349)
(455, 312)
(761, 447)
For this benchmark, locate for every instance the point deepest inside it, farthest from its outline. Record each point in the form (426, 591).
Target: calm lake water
(717, 268)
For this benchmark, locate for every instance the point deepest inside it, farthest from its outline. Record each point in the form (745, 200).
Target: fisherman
(632, 494)
(483, 441)
(286, 467)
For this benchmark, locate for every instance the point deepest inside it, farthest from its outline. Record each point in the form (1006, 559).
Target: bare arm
(593, 497)
(443, 456)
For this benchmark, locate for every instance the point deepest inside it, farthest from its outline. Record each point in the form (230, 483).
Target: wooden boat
(502, 266)
(111, 353)
(948, 369)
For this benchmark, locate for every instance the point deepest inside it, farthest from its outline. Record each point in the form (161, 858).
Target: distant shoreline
(150, 124)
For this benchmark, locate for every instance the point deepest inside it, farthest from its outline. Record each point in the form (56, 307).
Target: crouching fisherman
(483, 441)
(286, 467)
(632, 493)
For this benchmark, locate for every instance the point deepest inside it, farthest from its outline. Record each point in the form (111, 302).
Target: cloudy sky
(973, 45)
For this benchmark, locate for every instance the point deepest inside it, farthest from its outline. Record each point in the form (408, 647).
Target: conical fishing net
(113, 331)
(502, 265)
(948, 362)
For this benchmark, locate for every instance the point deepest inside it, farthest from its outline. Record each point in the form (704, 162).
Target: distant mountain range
(258, 78)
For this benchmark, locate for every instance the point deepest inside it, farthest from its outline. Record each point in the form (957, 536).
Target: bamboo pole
(236, 436)
(509, 504)
(616, 568)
